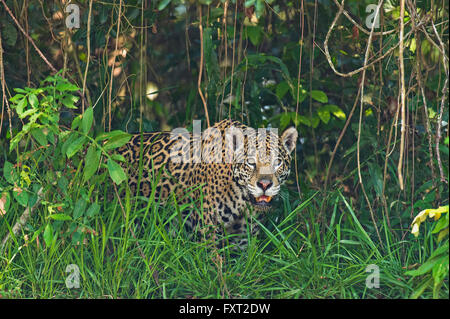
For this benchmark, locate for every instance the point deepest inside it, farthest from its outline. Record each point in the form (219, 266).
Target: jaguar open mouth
(262, 201)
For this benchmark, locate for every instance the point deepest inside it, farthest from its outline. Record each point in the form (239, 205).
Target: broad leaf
(324, 115)
(92, 162)
(60, 217)
(319, 96)
(39, 136)
(88, 117)
(75, 146)
(48, 235)
(79, 209)
(116, 172)
(282, 89)
(34, 102)
(117, 141)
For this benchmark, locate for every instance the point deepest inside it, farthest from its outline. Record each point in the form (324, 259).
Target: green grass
(295, 256)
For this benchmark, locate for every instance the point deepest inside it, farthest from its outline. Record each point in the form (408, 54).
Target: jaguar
(231, 170)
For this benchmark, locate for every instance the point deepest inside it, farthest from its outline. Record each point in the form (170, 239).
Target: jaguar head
(266, 166)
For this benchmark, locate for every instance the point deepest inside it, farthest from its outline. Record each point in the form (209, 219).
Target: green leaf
(335, 110)
(206, 2)
(441, 224)
(71, 137)
(64, 85)
(259, 8)
(419, 291)
(34, 102)
(116, 172)
(436, 257)
(285, 120)
(34, 112)
(440, 250)
(300, 119)
(40, 137)
(20, 106)
(69, 101)
(92, 162)
(255, 34)
(10, 173)
(106, 135)
(249, 3)
(79, 209)
(319, 96)
(117, 141)
(118, 157)
(440, 269)
(423, 269)
(16, 139)
(314, 121)
(76, 122)
(60, 217)
(88, 117)
(21, 196)
(282, 89)
(93, 210)
(442, 234)
(20, 90)
(324, 115)
(5, 202)
(302, 94)
(48, 235)
(75, 146)
(16, 97)
(162, 4)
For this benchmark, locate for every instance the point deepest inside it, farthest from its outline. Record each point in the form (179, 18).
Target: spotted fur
(230, 187)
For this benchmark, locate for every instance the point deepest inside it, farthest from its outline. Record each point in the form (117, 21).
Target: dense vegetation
(368, 95)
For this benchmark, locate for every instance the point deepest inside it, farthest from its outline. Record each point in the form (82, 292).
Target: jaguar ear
(289, 139)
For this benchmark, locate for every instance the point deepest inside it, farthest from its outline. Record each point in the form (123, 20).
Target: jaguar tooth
(264, 198)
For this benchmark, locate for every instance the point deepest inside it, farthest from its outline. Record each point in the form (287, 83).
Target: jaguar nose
(264, 184)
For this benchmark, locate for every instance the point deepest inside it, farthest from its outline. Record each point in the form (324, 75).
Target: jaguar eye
(251, 162)
(278, 162)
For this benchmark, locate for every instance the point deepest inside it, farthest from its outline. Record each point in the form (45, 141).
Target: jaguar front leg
(243, 228)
